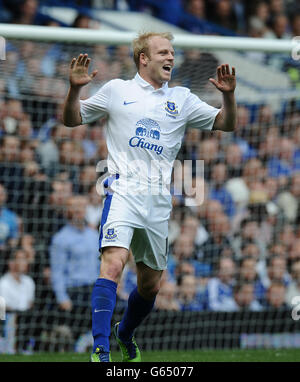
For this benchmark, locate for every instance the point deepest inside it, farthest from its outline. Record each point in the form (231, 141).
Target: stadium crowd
(238, 250)
(262, 18)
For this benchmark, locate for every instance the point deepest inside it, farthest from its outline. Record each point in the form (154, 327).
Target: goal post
(250, 214)
(88, 36)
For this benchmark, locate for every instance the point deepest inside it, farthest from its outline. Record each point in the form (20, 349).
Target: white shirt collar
(144, 84)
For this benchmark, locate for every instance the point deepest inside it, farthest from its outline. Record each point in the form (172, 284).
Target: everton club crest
(171, 108)
(110, 234)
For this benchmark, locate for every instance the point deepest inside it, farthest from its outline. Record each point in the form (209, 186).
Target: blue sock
(103, 304)
(138, 308)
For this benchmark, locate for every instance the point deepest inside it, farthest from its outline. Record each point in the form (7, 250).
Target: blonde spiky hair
(141, 44)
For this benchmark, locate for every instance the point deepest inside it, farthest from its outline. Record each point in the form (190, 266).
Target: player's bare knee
(112, 264)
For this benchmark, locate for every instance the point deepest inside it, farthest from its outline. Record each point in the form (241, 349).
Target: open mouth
(167, 68)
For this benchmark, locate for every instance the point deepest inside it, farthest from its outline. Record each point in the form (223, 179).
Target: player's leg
(140, 304)
(113, 260)
(140, 301)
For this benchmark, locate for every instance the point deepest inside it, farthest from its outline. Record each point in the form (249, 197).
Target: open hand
(225, 82)
(79, 75)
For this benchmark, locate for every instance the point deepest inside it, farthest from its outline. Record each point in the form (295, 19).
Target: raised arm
(78, 77)
(226, 83)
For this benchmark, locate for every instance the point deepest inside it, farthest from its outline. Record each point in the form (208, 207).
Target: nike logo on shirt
(128, 103)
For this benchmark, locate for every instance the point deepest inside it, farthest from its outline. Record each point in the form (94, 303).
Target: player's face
(157, 68)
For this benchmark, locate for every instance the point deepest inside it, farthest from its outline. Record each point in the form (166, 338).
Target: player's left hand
(225, 82)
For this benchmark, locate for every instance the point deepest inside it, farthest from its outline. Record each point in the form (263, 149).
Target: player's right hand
(79, 71)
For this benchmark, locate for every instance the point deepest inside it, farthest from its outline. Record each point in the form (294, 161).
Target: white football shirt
(145, 127)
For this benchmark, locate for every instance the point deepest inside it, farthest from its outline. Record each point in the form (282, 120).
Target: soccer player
(145, 128)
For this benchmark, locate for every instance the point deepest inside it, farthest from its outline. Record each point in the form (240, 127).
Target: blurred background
(234, 261)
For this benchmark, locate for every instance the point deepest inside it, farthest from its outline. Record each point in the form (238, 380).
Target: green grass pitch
(272, 355)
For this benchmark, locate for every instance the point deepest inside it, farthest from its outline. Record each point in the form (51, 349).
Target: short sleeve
(200, 115)
(96, 106)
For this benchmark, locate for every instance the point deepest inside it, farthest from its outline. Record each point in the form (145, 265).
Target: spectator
(241, 134)
(218, 240)
(289, 200)
(234, 160)
(94, 208)
(26, 12)
(219, 290)
(293, 289)
(218, 191)
(277, 7)
(166, 298)
(286, 162)
(27, 244)
(27, 153)
(249, 272)
(240, 188)
(278, 248)
(9, 224)
(183, 250)
(190, 144)
(25, 131)
(80, 136)
(71, 156)
(258, 21)
(244, 298)
(184, 268)
(209, 210)
(52, 217)
(224, 15)
(296, 139)
(251, 249)
(271, 187)
(187, 293)
(209, 152)
(74, 265)
(16, 287)
(276, 273)
(275, 297)
(13, 115)
(249, 232)
(265, 117)
(101, 147)
(265, 213)
(196, 8)
(84, 21)
(48, 151)
(192, 227)
(33, 199)
(295, 24)
(287, 237)
(295, 250)
(279, 28)
(9, 67)
(29, 69)
(11, 170)
(269, 147)
(87, 179)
